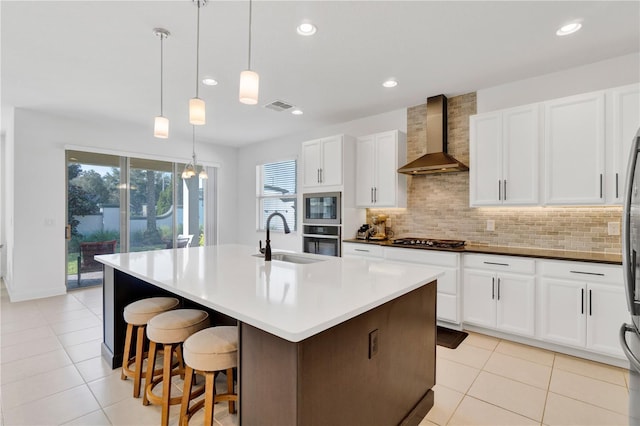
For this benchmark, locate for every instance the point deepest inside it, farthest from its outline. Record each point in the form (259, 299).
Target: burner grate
(428, 242)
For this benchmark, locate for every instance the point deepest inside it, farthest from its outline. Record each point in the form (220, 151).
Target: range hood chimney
(436, 160)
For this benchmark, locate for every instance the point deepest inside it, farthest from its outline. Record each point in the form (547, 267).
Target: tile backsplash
(438, 205)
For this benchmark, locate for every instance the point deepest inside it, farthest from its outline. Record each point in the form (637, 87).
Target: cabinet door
(563, 311)
(574, 150)
(311, 156)
(365, 155)
(515, 295)
(485, 177)
(626, 121)
(331, 168)
(479, 298)
(520, 163)
(606, 310)
(386, 174)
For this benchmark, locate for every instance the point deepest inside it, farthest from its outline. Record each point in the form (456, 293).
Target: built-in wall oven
(321, 239)
(321, 223)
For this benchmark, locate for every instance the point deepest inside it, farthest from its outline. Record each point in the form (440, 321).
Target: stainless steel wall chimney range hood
(436, 160)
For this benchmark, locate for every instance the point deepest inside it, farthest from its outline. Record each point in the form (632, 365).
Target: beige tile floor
(51, 373)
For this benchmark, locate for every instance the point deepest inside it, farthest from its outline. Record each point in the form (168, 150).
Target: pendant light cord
(250, 9)
(162, 36)
(198, 48)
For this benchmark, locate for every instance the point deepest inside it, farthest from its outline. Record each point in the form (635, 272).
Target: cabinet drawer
(428, 257)
(582, 271)
(366, 250)
(500, 263)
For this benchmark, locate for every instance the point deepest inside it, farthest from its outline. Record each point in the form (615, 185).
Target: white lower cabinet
(448, 296)
(362, 250)
(582, 305)
(499, 293)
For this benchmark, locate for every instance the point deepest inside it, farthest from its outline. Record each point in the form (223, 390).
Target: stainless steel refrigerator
(630, 333)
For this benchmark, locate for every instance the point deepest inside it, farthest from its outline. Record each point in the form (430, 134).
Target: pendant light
(161, 123)
(196, 105)
(249, 80)
(190, 169)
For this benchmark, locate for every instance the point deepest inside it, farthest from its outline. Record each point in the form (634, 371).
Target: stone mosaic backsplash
(438, 205)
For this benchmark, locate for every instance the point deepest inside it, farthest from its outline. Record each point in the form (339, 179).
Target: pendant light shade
(161, 123)
(249, 80)
(203, 173)
(161, 127)
(197, 111)
(249, 86)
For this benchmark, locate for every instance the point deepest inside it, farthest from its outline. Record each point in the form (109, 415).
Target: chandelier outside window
(249, 80)
(161, 123)
(190, 169)
(196, 105)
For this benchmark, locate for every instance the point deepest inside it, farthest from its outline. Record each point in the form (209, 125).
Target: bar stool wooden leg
(127, 351)
(232, 404)
(139, 355)
(166, 382)
(188, 385)
(151, 365)
(209, 397)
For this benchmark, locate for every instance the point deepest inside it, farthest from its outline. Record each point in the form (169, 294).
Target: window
(276, 192)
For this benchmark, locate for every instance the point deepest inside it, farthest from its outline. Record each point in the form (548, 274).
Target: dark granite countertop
(581, 256)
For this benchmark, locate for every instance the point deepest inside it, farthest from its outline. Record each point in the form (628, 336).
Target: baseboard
(21, 296)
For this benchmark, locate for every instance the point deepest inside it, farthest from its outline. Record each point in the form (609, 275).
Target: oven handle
(327, 237)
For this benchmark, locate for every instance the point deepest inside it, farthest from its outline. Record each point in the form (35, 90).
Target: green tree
(79, 201)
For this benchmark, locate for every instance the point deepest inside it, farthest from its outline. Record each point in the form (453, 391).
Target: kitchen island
(323, 340)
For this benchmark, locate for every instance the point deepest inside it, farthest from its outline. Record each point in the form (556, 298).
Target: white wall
(288, 148)
(35, 196)
(613, 72)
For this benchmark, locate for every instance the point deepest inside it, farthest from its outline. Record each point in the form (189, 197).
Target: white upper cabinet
(575, 150)
(625, 121)
(322, 162)
(378, 156)
(504, 157)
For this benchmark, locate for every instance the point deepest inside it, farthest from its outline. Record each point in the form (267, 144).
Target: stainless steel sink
(291, 258)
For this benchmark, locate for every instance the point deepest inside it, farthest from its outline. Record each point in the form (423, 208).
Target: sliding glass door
(120, 204)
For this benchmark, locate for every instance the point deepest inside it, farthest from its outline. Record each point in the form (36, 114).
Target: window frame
(260, 197)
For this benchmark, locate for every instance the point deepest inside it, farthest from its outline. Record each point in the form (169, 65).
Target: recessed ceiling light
(569, 28)
(209, 81)
(390, 83)
(306, 28)
(297, 111)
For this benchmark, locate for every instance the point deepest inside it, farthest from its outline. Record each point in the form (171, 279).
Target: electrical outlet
(491, 225)
(614, 228)
(373, 343)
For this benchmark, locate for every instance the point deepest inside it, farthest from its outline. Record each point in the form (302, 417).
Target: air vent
(279, 106)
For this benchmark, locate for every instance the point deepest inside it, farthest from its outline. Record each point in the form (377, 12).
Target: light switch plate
(491, 225)
(373, 343)
(614, 228)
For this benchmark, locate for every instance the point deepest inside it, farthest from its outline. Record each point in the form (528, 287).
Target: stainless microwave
(322, 208)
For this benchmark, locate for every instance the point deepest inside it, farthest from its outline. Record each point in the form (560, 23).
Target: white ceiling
(101, 58)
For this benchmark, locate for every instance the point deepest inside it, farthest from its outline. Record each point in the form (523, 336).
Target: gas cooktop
(428, 243)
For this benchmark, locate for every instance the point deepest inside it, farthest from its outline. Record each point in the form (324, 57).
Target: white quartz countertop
(292, 301)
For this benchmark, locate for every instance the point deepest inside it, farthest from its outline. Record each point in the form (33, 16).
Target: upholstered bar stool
(207, 352)
(137, 315)
(169, 329)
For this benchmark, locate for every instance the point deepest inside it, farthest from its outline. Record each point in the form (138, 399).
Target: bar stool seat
(208, 352)
(169, 329)
(136, 315)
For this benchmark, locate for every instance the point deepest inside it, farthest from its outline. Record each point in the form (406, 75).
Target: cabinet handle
(587, 273)
(375, 194)
(318, 175)
(366, 251)
(499, 190)
(498, 288)
(496, 263)
(590, 306)
(505, 190)
(321, 177)
(372, 194)
(582, 301)
(600, 185)
(617, 185)
(493, 288)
